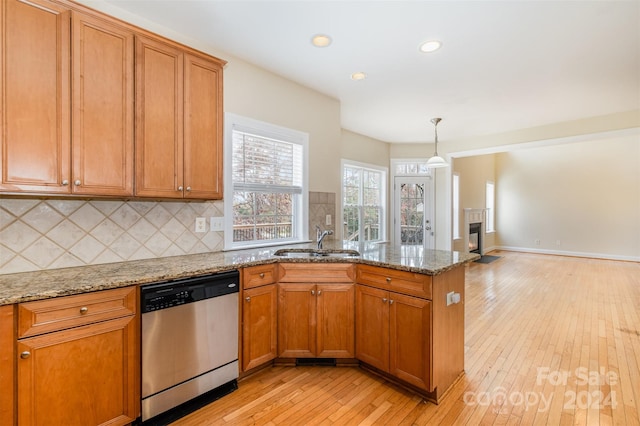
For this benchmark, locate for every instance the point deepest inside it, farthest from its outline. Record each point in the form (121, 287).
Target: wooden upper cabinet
(202, 128)
(102, 107)
(35, 133)
(179, 123)
(159, 117)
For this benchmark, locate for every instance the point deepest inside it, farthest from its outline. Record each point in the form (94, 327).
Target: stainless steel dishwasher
(189, 340)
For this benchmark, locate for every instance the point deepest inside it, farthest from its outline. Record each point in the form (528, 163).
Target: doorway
(413, 211)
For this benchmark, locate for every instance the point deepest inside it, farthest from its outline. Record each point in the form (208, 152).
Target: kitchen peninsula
(406, 313)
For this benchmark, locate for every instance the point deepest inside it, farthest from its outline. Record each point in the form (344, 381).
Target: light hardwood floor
(549, 340)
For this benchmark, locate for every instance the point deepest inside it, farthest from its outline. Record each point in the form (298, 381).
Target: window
(491, 204)
(265, 174)
(456, 205)
(363, 201)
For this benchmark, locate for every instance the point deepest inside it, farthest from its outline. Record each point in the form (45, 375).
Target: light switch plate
(217, 223)
(327, 220)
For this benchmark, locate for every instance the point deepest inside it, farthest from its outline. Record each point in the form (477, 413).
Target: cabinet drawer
(48, 315)
(390, 279)
(256, 276)
(316, 272)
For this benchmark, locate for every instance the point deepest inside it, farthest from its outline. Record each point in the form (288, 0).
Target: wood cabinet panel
(202, 128)
(259, 326)
(410, 339)
(316, 272)
(35, 145)
(296, 320)
(335, 320)
(43, 316)
(159, 119)
(102, 107)
(80, 376)
(255, 276)
(7, 365)
(372, 326)
(400, 281)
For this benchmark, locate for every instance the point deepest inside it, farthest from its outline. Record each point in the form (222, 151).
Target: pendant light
(436, 161)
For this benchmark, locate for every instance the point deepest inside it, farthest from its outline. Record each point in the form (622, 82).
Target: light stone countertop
(26, 286)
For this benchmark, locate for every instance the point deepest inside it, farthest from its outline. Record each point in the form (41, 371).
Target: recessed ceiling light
(321, 40)
(358, 76)
(430, 46)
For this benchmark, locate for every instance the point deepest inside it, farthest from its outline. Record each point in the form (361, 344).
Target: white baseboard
(569, 253)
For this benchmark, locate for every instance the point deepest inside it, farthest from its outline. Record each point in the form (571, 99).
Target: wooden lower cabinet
(83, 375)
(259, 326)
(393, 334)
(316, 320)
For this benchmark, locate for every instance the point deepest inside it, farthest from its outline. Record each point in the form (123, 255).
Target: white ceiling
(504, 65)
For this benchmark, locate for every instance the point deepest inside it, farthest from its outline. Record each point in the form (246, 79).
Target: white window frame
(383, 195)
(267, 130)
(455, 205)
(490, 205)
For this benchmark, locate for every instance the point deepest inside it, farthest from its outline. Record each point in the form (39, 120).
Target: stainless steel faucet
(320, 234)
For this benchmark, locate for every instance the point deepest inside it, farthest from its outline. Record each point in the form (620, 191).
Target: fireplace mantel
(474, 216)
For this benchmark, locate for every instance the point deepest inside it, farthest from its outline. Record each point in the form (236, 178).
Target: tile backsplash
(47, 234)
(322, 204)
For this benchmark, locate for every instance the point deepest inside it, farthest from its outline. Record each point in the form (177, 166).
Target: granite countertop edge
(38, 285)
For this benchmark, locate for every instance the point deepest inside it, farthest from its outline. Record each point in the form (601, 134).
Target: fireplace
(475, 237)
(474, 230)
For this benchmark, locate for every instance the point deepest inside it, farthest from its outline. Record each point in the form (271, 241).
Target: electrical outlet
(327, 220)
(217, 223)
(201, 224)
(558, 242)
(537, 242)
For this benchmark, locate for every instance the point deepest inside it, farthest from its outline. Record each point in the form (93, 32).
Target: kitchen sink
(302, 252)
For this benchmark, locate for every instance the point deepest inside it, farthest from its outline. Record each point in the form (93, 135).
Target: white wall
(586, 196)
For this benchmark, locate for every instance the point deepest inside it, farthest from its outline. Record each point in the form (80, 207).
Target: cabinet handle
(180, 188)
(25, 354)
(388, 279)
(319, 292)
(391, 301)
(248, 299)
(384, 300)
(65, 182)
(84, 310)
(77, 182)
(313, 292)
(261, 274)
(188, 188)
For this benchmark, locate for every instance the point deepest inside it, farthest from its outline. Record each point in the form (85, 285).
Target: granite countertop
(26, 286)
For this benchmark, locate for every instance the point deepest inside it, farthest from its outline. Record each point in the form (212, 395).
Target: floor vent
(328, 362)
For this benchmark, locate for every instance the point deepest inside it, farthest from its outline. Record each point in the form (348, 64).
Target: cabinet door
(259, 326)
(159, 119)
(81, 376)
(410, 339)
(35, 135)
(202, 128)
(372, 326)
(336, 326)
(296, 320)
(102, 108)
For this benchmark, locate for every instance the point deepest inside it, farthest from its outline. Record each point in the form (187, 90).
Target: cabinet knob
(25, 354)
(188, 188)
(384, 300)
(261, 274)
(248, 299)
(77, 182)
(319, 292)
(388, 279)
(313, 292)
(65, 182)
(84, 310)
(180, 188)
(391, 301)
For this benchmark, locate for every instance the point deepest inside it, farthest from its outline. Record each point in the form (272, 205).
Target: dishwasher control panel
(175, 293)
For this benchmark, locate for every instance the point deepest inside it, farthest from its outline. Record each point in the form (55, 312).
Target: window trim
(455, 206)
(490, 212)
(384, 194)
(261, 128)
